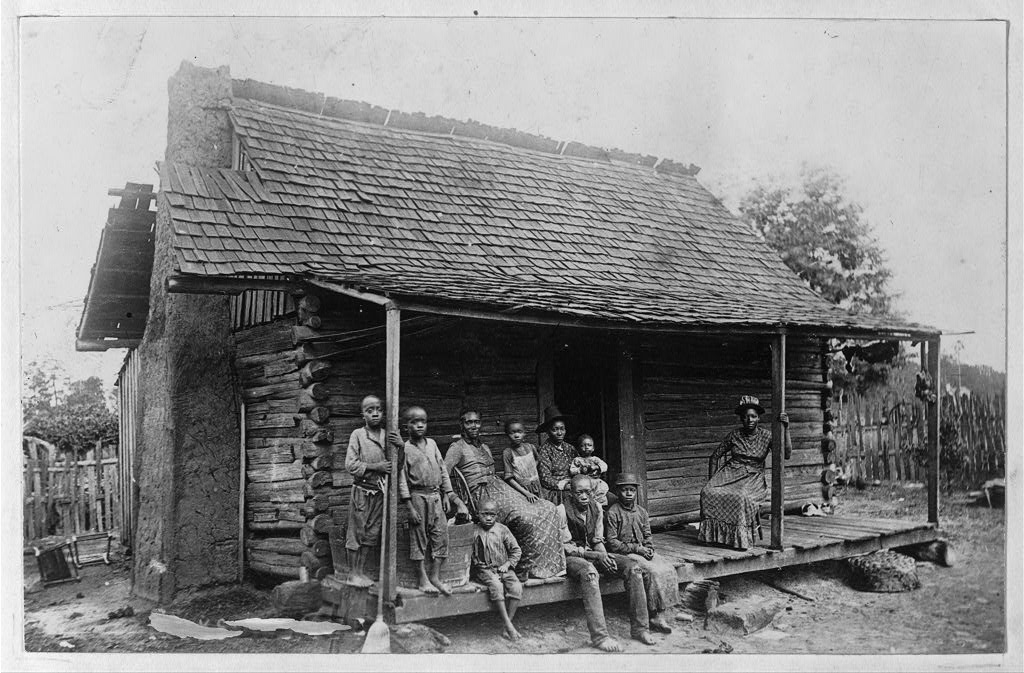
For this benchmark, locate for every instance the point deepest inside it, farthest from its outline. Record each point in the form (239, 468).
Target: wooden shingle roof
(463, 220)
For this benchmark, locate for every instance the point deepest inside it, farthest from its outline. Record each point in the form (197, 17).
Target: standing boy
(367, 461)
(628, 532)
(495, 554)
(424, 485)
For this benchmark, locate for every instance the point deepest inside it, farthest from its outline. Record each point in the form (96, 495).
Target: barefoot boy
(592, 466)
(424, 485)
(495, 554)
(367, 461)
(520, 461)
(628, 532)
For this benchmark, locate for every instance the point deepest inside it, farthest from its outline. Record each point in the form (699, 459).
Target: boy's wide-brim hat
(551, 414)
(626, 479)
(749, 402)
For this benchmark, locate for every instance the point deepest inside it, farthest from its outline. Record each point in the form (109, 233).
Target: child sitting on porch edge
(495, 554)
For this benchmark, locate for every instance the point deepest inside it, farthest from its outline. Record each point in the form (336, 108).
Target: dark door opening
(585, 390)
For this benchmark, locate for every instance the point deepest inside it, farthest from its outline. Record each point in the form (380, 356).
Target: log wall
(690, 387)
(303, 376)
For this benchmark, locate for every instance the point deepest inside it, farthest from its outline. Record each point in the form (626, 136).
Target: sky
(911, 113)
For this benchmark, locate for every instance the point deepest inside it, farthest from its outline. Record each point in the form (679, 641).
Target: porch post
(778, 435)
(631, 438)
(934, 412)
(393, 336)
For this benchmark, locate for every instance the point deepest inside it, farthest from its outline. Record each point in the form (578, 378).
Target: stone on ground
(743, 616)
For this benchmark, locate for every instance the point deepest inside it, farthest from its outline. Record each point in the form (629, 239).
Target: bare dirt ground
(956, 610)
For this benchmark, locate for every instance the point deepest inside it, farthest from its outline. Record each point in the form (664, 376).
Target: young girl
(592, 466)
(520, 460)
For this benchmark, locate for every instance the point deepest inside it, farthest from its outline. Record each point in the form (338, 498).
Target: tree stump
(699, 597)
(883, 571)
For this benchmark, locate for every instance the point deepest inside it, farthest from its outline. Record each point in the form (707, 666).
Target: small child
(628, 531)
(521, 462)
(424, 485)
(592, 466)
(366, 459)
(495, 554)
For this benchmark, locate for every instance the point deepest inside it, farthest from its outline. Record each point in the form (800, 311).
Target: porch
(807, 540)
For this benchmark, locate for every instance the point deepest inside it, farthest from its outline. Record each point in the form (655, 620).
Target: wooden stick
(934, 412)
(778, 436)
(784, 590)
(393, 328)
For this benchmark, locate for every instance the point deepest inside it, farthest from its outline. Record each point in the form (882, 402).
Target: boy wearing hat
(628, 532)
(555, 456)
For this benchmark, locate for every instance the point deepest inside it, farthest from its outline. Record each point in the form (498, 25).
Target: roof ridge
(322, 105)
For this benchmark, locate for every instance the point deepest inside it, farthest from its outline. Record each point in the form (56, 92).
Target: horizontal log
(341, 478)
(299, 447)
(274, 471)
(281, 390)
(309, 303)
(274, 525)
(325, 462)
(320, 548)
(275, 454)
(256, 421)
(314, 371)
(276, 491)
(274, 570)
(319, 414)
(280, 545)
(319, 478)
(321, 523)
(275, 559)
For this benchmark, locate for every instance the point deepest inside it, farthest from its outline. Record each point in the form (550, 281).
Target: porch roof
(453, 220)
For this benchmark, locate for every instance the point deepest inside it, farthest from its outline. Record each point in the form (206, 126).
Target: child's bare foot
(427, 588)
(441, 586)
(608, 645)
(510, 633)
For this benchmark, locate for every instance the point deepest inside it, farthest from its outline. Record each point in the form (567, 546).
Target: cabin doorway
(585, 389)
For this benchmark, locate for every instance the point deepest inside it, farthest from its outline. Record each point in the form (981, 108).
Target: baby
(592, 466)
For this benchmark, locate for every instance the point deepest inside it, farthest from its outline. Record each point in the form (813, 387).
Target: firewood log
(938, 551)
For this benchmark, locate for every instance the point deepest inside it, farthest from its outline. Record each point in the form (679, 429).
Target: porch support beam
(393, 337)
(778, 435)
(934, 413)
(631, 437)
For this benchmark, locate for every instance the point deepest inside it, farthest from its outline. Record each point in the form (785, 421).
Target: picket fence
(878, 442)
(67, 497)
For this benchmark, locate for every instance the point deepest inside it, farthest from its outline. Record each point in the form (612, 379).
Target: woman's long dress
(534, 525)
(730, 501)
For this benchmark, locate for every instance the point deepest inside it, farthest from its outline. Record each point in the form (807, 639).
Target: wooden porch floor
(805, 539)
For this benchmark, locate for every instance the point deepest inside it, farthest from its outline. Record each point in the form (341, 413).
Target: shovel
(378, 637)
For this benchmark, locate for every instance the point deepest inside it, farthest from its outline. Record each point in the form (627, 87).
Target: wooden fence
(64, 496)
(875, 442)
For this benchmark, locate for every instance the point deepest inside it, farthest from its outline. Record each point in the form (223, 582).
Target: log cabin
(305, 251)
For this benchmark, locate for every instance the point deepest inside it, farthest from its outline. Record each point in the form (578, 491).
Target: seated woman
(535, 525)
(730, 501)
(555, 457)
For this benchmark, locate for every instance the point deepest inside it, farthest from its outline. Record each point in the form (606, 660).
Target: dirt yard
(956, 610)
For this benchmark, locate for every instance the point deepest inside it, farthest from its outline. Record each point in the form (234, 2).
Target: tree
(824, 238)
(71, 415)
